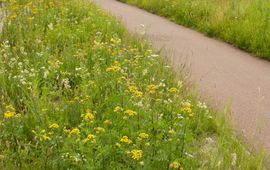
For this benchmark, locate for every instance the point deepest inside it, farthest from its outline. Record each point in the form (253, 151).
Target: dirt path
(224, 74)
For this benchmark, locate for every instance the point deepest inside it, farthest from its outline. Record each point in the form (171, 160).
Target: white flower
(50, 26)
(65, 82)
(202, 105)
(46, 73)
(234, 159)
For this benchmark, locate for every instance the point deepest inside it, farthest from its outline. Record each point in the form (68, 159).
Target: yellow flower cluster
(118, 109)
(173, 90)
(75, 131)
(143, 136)
(42, 135)
(152, 88)
(126, 140)
(9, 114)
(107, 122)
(175, 165)
(90, 138)
(54, 126)
(134, 90)
(114, 68)
(118, 145)
(136, 154)
(131, 113)
(187, 108)
(88, 116)
(99, 130)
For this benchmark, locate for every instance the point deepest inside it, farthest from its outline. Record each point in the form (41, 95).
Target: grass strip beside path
(243, 23)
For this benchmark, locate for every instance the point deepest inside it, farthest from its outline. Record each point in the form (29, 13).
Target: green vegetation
(78, 92)
(244, 23)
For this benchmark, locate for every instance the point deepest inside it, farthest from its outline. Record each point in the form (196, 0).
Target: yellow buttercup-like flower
(75, 131)
(143, 136)
(114, 68)
(118, 145)
(132, 88)
(136, 154)
(131, 113)
(99, 130)
(175, 165)
(107, 122)
(138, 94)
(90, 138)
(9, 115)
(173, 90)
(54, 126)
(152, 88)
(126, 140)
(88, 116)
(118, 109)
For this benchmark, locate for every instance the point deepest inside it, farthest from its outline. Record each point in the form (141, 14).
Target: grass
(78, 92)
(243, 23)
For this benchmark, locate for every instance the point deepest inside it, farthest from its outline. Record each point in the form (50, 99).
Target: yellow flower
(173, 90)
(51, 4)
(67, 131)
(118, 109)
(54, 126)
(122, 79)
(175, 165)
(143, 136)
(88, 116)
(186, 110)
(114, 68)
(126, 140)
(30, 18)
(99, 130)
(13, 17)
(136, 154)
(131, 113)
(171, 132)
(118, 145)
(132, 89)
(186, 107)
(152, 88)
(138, 94)
(90, 138)
(9, 115)
(45, 137)
(75, 131)
(107, 122)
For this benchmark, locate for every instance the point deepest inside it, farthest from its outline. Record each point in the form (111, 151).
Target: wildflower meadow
(79, 92)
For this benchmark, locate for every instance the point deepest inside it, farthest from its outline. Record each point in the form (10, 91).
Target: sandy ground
(226, 76)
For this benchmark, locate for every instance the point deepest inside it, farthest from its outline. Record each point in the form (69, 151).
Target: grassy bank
(243, 23)
(78, 92)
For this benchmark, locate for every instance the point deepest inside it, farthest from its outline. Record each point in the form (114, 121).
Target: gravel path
(224, 75)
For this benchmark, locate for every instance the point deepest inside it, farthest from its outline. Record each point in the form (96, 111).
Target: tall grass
(243, 23)
(78, 92)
